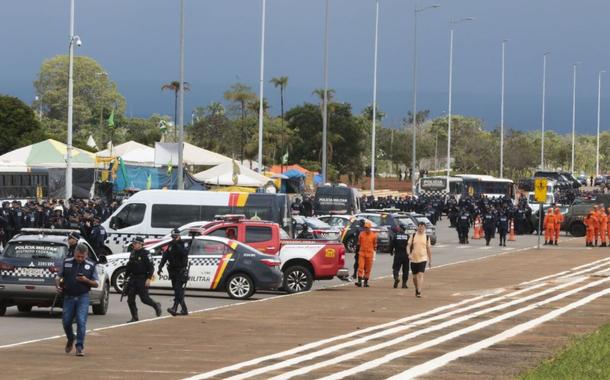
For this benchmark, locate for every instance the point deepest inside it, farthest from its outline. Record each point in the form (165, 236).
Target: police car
(215, 264)
(29, 265)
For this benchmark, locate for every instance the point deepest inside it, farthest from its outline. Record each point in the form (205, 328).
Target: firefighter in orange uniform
(608, 224)
(549, 227)
(596, 225)
(558, 222)
(602, 218)
(367, 245)
(590, 222)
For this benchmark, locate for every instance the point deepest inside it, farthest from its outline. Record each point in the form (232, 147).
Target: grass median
(586, 357)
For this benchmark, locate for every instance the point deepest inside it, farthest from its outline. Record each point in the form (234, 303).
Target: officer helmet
(138, 239)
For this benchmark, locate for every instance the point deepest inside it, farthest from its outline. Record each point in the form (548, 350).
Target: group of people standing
(597, 224)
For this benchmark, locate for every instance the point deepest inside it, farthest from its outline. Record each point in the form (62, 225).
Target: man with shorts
(420, 254)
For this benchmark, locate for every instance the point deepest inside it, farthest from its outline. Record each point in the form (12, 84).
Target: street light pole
(414, 110)
(599, 95)
(450, 96)
(325, 100)
(573, 115)
(373, 151)
(260, 106)
(73, 40)
(543, 104)
(502, 117)
(181, 103)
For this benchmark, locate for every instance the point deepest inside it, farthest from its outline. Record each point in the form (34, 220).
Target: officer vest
(71, 269)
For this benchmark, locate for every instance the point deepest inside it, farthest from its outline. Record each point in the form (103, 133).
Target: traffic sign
(540, 189)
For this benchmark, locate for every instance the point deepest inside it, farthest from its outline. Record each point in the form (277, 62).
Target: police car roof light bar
(230, 217)
(47, 231)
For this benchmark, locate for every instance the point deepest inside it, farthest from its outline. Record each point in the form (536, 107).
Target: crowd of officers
(84, 215)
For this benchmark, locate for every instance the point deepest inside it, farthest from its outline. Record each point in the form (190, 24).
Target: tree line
(290, 136)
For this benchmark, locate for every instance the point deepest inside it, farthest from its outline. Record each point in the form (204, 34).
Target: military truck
(573, 219)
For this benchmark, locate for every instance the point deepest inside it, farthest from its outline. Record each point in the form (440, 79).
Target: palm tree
(281, 82)
(175, 87)
(242, 94)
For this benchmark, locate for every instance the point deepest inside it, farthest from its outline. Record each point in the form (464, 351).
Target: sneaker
(133, 319)
(418, 294)
(158, 309)
(395, 284)
(184, 312)
(69, 345)
(79, 352)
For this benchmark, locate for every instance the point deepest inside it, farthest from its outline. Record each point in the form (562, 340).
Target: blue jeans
(76, 307)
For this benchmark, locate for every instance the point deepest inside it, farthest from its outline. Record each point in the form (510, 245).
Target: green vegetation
(586, 357)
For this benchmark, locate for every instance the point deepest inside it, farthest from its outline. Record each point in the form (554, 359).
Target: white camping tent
(122, 149)
(192, 155)
(223, 175)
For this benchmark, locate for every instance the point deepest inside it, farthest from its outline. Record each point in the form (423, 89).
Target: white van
(154, 213)
(534, 205)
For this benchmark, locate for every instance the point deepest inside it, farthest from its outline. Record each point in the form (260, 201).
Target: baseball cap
(74, 235)
(138, 239)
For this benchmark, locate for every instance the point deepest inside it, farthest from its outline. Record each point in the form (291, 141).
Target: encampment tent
(232, 174)
(47, 154)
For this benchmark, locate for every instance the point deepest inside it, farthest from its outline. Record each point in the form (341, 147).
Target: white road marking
(431, 365)
(316, 344)
(451, 322)
(431, 343)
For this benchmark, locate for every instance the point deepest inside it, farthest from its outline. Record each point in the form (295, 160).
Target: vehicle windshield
(35, 250)
(425, 220)
(407, 222)
(374, 218)
(317, 224)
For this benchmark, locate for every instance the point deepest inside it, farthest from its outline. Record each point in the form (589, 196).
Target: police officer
(140, 271)
(73, 239)
(98, 235)
(401, 257)
(489, 225)
(502, 228)
(177, 256)
(463, 227)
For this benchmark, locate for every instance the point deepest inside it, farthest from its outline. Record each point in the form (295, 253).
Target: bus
(465, 185)
(154, 213)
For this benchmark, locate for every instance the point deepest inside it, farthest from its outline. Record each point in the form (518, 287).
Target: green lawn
(586, 357)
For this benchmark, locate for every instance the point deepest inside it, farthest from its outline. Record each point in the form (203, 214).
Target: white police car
(215, 264)
(28, 267)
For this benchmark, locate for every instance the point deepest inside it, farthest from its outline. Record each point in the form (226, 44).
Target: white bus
(154, 213)
(465, 185)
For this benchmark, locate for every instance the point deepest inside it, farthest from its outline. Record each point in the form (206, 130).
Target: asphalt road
(39, 323)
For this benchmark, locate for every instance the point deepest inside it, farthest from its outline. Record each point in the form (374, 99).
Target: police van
(28, 267)
(154, 213)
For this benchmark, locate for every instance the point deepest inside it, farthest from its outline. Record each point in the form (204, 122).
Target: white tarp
(122, 149)
(224, 175)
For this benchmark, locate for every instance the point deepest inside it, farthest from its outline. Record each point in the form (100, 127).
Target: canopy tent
(140, 157)
(122, 149)
(47, 154)
(285, 168)
(193, 155)
(232, 174)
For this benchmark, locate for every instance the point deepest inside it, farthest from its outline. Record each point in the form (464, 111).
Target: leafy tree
(175, 87)
(144, 131)
(18, 124)
(95, 95)
(241, 94)
(281, 82)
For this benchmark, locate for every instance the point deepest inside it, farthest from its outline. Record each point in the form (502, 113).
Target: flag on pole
(91, 143)
(111, 119)
(236, 173)
(169, 168)
(148, 182)
(285, 158)
(123, 170)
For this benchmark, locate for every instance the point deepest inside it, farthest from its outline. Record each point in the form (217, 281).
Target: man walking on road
(420, 254)
(401, 257)
(177, 256)
(76, 277)
(367, 245)
(140, 270)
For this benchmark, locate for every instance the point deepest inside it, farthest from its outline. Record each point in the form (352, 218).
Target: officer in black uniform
(73, 239)
(489, 225)
(98, 235)
(401, 256)
(463, 227)
(140, 271)
(177, 256)
(503, 228)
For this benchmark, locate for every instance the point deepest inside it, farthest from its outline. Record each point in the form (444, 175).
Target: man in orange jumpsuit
(602, 218)
(558, 221)
(596, 225)
(367, 245)
(590, 222)
(549, 227)
(608, 224)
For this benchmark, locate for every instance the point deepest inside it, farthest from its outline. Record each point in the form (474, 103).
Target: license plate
(32, 272)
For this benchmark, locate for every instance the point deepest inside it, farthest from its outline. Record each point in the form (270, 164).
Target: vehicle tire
(578, 229)
(102, 307)
(240, 286)
(2, 309)
(297, 278)
(350, 244)
(24, 308)
(118, 279)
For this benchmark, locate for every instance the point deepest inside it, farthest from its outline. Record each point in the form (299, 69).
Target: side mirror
(102, 260)
(113, 222)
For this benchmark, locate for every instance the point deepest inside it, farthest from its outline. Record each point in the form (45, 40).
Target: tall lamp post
(373, 151)
(502, 116)
(543, 109)
(181, 104)
(573, 113)
(450, 95)
(325, 99)
(599, 96)
(414, 111)
(260, 97)
(74, 40)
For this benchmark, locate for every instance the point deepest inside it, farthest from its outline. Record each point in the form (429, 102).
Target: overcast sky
(136, 41)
